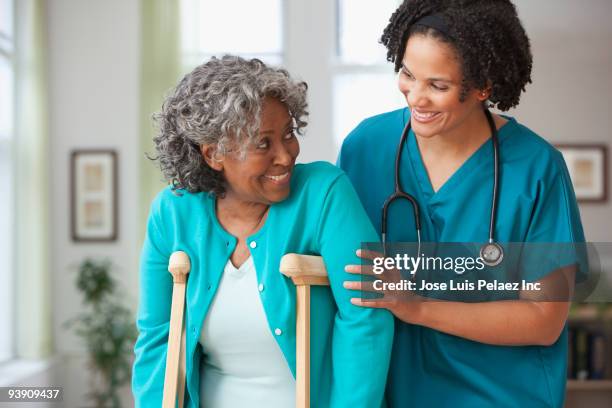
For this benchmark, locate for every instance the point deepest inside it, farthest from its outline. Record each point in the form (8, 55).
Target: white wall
(307, 57)
(570, 99)
(94, 95)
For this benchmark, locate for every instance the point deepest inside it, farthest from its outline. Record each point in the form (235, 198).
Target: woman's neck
(240, 217)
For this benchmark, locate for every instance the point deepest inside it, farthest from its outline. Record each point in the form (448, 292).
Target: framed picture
(588, 168)
(94, 195)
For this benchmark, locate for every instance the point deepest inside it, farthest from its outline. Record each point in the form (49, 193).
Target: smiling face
(264, 175)
(430, 79)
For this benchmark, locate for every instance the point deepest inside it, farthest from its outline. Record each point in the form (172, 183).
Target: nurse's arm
(536, 319)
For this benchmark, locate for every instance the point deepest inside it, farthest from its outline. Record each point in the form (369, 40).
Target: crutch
(174, 380)
(304, 271)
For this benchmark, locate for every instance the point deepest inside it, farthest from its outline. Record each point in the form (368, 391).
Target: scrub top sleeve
(362, 337)
(339, 159)
(153, 320)
(555, 237)
(349, 148)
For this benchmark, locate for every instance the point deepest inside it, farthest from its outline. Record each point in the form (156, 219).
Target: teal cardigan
(350, 346)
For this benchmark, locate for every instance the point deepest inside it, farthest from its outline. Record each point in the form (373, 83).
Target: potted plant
(108, 329)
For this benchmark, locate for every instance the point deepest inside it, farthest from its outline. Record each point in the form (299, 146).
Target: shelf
(589, 385)
(588, 314)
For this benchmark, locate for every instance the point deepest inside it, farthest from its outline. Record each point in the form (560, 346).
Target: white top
(243, 366)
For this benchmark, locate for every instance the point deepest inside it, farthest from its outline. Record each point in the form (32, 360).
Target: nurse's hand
(389, 290)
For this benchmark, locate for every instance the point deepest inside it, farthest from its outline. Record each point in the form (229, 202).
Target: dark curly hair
(219, 103)
(487, 36)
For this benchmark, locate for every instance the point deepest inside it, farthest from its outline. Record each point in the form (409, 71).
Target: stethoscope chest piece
(492, 254)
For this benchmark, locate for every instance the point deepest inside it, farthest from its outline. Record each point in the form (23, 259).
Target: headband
(435, 21)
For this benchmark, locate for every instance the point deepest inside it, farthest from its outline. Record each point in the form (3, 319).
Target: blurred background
(80, 79)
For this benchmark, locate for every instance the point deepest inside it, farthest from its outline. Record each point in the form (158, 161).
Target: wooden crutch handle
(304, 271)
(174, 380)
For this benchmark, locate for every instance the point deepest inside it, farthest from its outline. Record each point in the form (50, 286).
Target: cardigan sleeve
(362, 337)
(153, 319)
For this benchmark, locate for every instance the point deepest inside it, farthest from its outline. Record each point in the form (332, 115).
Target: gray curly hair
(219, 103)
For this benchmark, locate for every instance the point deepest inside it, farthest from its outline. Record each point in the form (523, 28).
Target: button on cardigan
(350, 346)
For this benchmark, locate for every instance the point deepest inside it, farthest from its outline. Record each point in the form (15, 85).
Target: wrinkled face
(263, 176)
(430, 79)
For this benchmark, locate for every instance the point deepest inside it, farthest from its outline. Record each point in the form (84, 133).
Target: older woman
(237, 202)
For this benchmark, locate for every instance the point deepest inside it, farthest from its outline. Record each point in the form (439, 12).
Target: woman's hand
(403, 302)
(527, 321)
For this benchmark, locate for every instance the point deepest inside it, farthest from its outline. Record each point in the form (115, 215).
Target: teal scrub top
(536, 204)
(350, 346)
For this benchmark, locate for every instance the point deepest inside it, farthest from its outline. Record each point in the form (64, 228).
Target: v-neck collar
(473, 160)
(481, 156)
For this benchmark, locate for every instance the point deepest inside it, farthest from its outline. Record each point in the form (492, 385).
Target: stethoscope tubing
(495, 142)
(399, 193)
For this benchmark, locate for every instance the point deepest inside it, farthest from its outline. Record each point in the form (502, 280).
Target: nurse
(455, 59)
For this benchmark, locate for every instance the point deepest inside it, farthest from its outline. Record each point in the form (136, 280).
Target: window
(364, 84)
(6, 208)
(254, 30)
(332, 45)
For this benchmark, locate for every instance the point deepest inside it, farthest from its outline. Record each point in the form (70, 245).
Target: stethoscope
(491, 253)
